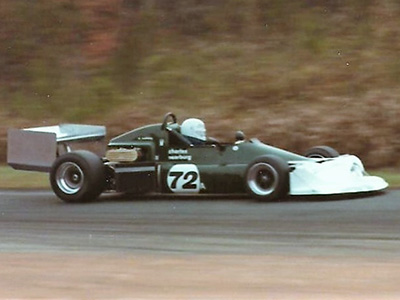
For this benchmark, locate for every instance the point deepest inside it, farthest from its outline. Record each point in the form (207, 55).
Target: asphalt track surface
(178, 239)
(38, 221)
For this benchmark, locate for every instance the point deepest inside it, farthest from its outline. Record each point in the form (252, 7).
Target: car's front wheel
(321, 152)
(267, 178)
(78, 176)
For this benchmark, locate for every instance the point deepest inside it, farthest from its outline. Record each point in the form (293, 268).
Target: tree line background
(293, 73)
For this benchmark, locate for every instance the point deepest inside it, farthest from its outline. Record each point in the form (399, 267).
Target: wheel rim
(262, 179)
(69, 178)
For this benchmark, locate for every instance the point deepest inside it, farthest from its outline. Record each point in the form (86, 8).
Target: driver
(194, 130)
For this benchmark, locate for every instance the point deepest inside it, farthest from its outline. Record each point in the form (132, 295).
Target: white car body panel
(340, 175)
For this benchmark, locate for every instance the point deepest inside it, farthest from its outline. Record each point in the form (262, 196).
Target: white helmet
(194, 128)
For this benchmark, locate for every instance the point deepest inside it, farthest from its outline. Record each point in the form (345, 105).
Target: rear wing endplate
(35, 149)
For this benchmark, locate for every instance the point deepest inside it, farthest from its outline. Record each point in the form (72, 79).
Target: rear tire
(78, 176)
(321, 152)
(267, 178)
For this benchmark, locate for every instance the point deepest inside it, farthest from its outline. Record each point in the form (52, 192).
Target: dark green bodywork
(221, 167)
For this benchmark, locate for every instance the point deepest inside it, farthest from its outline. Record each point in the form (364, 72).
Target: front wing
(341, 175)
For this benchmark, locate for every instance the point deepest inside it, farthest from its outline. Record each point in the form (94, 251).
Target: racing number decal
(191, 178)
(184, 178)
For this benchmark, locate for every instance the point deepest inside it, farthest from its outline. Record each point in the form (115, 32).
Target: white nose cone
(341, 175)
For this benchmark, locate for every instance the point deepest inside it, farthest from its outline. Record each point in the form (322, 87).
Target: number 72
(184, 178)
(188, 177)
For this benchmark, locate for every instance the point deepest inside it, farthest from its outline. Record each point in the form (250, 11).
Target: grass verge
(13, 179)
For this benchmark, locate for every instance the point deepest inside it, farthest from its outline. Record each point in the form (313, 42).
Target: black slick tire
(321, 152)
(78, 176)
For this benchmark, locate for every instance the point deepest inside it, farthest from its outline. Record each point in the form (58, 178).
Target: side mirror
(239, 136)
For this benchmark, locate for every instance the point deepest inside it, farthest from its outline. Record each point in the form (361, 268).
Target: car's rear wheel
(321, 152)
(267, 178)
(78, 176)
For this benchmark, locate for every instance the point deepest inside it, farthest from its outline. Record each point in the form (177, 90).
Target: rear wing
(35, 149)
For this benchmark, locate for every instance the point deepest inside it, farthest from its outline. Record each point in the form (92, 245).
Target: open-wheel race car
(173, 158)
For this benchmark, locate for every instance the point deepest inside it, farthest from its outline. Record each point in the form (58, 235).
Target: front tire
(321, 152)
(78, 176)
(267, 178)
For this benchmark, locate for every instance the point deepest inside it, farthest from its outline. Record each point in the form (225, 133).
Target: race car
(173, 158)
